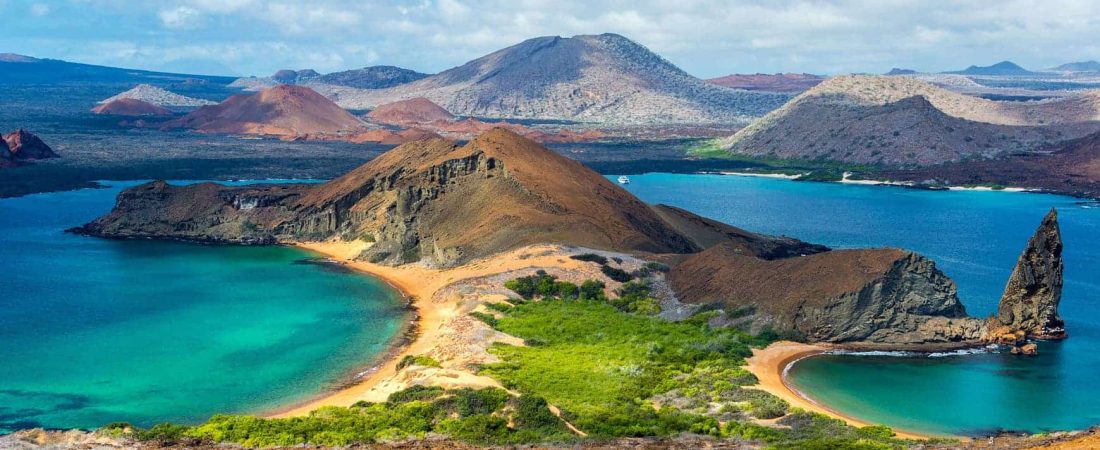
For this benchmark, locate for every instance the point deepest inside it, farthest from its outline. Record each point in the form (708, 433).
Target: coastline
(771, 364)
(441, 319)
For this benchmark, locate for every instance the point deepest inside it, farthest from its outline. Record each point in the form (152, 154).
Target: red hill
(284, 110)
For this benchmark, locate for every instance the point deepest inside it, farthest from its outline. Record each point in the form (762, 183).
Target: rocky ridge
(780, 82)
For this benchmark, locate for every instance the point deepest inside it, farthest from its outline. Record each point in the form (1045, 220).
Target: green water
(975, 237)
(94, 331)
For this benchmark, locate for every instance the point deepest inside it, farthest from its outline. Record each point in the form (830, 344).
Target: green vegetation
(418, 360)
(486, 416)
(610, 367)
(616, 273)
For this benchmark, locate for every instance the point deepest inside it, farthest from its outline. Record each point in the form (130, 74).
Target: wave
(910, 354)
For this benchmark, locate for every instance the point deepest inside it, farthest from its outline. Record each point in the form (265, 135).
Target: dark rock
(1030, 300)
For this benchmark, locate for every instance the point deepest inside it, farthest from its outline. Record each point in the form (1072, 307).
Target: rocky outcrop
(24, 145)
(885, 297)
(1031, 297)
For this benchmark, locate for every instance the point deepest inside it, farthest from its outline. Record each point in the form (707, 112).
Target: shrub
(415, 393)
(616, 274)
(418, 360)
(485, 317)
(590, 257)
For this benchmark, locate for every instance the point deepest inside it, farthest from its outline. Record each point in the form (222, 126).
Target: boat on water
(624, 180)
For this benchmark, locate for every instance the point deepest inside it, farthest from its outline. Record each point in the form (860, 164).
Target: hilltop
(1081, 66)
(898, 120)
(130, 107)
(371, 77)
(156, 96)
(603, 78)
(284, 110)
(408, 112)
(1003, 68)
(780, 82)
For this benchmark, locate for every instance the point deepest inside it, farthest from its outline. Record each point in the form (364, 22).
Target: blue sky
(706, 38)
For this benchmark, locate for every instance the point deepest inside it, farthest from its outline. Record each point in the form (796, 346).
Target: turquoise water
(94, 331)
(975, 237)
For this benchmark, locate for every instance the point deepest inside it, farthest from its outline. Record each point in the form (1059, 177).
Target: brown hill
(407, 112)
(130, 107)
(428, 200)
(901, 121)
(780, 82)
(24, 145)
(283, 110)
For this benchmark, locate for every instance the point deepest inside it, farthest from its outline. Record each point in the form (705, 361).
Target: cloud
(180, 18)
(706, 38)
(40, 9)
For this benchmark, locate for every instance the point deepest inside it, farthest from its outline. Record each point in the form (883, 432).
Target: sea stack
(1029, 305)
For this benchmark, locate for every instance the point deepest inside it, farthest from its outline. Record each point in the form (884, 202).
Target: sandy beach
(770, 365)
(442, 299)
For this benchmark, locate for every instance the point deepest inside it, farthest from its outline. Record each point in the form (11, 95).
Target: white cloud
(180, 18)
(40, 9)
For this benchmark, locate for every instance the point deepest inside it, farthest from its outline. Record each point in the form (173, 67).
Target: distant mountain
(373, 77)
(285, 111)
(286, 76)
(606, 79)
(1082, 66)
(903, 121)
(28, 70)
(1004, 68)
(780, 82)
(130, 107)
(157, 96)
(900, 71)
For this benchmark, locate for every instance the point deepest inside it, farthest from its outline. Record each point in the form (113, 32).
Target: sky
(705, 38)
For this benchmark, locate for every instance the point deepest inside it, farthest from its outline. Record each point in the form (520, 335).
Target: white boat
(624, 180)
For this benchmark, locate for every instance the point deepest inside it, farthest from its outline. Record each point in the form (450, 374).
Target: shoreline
(407, 334)
(771, 366)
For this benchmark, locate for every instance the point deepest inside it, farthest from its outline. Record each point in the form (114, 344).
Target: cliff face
(1031, 297)
(873, 296)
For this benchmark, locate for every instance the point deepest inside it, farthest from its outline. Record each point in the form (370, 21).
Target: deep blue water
(94, 331)
(974, 237)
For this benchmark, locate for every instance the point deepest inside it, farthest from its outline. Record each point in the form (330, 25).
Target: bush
(162, 432)
(616, 274)
(415, 394)
(418, 360)
(590, 257)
